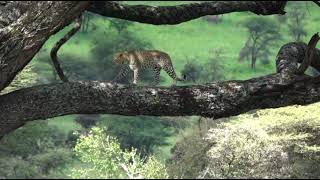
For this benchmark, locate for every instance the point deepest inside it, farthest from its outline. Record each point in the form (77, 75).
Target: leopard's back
(150, 58)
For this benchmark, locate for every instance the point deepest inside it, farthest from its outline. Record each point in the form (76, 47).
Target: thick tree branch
(57, 46)
(216, 100)
(182, 13)
(212, 100)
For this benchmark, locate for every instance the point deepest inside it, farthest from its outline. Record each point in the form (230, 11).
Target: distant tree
(296, 17)
(192, 71)
(213, 69)
(263, 33)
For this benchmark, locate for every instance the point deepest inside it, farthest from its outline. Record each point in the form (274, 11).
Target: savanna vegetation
(270, 143)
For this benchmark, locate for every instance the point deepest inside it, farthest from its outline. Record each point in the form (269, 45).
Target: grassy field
(190, 41)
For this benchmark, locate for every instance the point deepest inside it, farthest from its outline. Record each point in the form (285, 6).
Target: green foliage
(192, 71)
(16, 167)
(35, 150)
(206, 73)
(107, 160)
(144, 133)
(55, 158)
(33, 138)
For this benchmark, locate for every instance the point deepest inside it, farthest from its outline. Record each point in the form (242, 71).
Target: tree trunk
(32, 23)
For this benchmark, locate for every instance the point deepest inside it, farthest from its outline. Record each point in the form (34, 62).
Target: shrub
(105, 159)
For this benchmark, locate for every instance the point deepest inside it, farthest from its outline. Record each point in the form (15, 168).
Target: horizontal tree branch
(216, 100)
(182, 13)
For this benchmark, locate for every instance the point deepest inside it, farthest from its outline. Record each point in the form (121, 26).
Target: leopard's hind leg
(157, 70)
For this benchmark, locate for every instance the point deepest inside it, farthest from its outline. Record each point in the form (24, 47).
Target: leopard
(138, 60)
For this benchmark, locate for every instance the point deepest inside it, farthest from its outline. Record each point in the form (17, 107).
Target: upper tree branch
(182, 13)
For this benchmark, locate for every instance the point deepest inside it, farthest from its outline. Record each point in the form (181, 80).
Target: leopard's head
(121, 58)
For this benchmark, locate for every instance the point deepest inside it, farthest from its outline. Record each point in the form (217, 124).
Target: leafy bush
(106, 159)
(273, 143)
(245, 151)
(145, 133)
(205, 73)
(188, 157)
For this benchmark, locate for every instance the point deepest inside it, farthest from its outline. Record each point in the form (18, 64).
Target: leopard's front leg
(136, 72)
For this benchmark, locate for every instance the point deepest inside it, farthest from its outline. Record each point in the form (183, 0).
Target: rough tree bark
(182, 13)
(25, 27)
(28, 25)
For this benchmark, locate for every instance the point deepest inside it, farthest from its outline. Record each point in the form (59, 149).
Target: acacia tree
(262, 34)
(26, 26)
